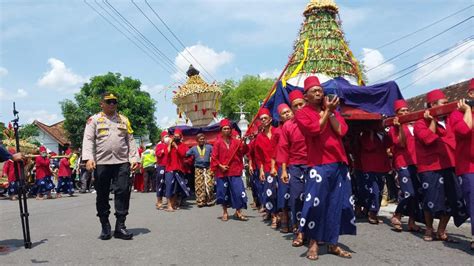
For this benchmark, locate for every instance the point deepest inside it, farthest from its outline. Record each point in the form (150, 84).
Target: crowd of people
(311, 175)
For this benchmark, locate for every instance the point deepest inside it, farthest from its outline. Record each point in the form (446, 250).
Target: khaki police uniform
(110, 143)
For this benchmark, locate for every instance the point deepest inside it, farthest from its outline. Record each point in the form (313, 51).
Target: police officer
(110, 151)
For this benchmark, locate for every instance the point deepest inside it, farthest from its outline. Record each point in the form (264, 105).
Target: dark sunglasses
(109, 102)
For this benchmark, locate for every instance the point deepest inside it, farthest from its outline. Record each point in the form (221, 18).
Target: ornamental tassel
(204, 110)
(195, 108)
(214, 114)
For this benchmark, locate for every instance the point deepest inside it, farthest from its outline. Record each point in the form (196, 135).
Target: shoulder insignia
(127, 122)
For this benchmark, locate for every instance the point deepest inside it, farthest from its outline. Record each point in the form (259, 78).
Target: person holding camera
(160, 168)
(327, 211)
(110, 151)
(174, 176)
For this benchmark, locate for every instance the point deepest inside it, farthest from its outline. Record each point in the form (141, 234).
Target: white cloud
(3, 71)
(442, 71)
(372, 58)
(12, 95)
(270, 74)
(166, 122)
(60, 78)
(41, 115)
(207, 57)
(351, 17)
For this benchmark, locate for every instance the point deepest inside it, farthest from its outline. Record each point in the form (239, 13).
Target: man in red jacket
(64, 176)
(404, 161)
(9, 171)
(462, 125)
(175, 182)
(375, 168)
(328, 208)
(293, 156)
(227, 165)
(44, 182)
(264, 150)
(435, 153)
(160, 150)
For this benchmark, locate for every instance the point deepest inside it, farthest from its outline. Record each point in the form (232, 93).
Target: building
(453, 93)
(53, 137)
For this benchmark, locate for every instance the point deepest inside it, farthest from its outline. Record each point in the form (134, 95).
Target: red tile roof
(452, 92)
(56, 131)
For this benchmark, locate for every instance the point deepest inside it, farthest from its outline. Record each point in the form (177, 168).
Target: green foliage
(328, 51)
(27, 131)
(2, 128)
(251, 91)
(137, 105)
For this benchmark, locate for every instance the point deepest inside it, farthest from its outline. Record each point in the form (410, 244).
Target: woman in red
(404, 161)
(461, 122)
(435, 146)
(44, 183)
(228, 172)
(64, 176)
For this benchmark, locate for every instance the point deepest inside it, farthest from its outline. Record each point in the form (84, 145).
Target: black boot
(106, 233)
(121, 231)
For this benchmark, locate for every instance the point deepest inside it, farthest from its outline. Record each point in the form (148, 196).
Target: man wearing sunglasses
(110, 151)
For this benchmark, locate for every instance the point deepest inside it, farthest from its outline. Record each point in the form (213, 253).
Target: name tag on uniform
(122, 126)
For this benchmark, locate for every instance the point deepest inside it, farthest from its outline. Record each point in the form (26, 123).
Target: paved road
(65, 231)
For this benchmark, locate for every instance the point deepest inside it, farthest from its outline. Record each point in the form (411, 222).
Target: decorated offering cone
(198, 100)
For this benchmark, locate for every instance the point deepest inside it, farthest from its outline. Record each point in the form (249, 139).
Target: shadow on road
(9, 245)
(139, 231)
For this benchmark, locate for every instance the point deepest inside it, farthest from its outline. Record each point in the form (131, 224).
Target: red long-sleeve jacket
(221, 154)
(160, 154)
(291, 148)
(64, 168)
(175, 158)
(403, 156)
(464, 143)
(434, 151)
(324, 144)
(42, 167)
(9, 170)
(374, 156)
(265, 149)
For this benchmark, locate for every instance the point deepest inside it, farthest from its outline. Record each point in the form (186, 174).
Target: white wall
(47, 141)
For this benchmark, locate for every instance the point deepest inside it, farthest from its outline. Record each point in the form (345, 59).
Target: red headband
(310, 82)
(264, 111)
(295, 94)
(224, 123)
(282, 107)
(398, 104)
(434, 96)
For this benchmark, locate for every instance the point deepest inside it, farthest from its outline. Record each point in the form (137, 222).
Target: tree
(137, 105)
(27, 131)
(251, 91)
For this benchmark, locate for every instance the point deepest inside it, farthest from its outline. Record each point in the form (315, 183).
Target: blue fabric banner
(377, 98)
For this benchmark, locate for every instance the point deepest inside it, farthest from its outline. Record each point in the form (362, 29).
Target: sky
(49, 49)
